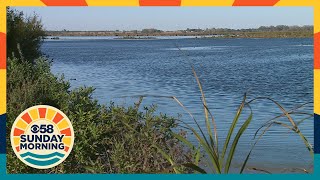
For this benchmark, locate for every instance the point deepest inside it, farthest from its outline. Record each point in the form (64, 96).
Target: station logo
(42, 137)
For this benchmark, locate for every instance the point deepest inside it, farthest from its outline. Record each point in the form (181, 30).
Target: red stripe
(317, 50)
(17, 132)
(57, 118)
(66, 149)
(159, 2)
(66, 132)
(17, 148)
(42, 112)
(3, 53)
(255, 2)
(26, 117)
(65, 2)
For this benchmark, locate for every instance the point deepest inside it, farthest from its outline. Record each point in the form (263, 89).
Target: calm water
(277, 68)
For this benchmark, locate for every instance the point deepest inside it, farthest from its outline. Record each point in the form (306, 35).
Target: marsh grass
(220, 155)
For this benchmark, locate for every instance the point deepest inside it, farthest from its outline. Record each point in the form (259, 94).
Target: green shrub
(24, 35)
(109, 139)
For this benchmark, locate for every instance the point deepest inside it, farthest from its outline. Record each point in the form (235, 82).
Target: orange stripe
(42, 112)
(26, 117)
(66, 132)
(66, 149)
(159, 2)
(57, 118)
(317, 50)
(3, 48)
(65, 2)
(255, 2)
(17, 148)
(17, 132)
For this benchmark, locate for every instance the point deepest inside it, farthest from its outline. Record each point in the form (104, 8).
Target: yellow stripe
(50, 114)
(63, 124)
(21, 124)
(298, 3)
(3, 83)
(317, 91)
(34, 114)
(67, 141)
(207, 2)
(16, 140)
(3, 17)
(25, 3)
(113, 3)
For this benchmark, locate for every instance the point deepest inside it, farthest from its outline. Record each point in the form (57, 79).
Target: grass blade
(233, 125)
(169, 159)
(206, 146)
(203, 98)
(197, 156)
(294, 127)
(184, 140)
(195, 168)
(235, 142)
(252, 147)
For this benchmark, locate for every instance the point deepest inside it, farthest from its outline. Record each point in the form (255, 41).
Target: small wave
(42, 163)
(42, 156)
(42, 159)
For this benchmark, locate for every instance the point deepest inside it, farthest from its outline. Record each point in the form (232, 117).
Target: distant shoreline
(280, 31)
(60, 37)
(279, 34)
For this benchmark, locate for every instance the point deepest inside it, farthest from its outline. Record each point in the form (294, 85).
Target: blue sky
(168, 18)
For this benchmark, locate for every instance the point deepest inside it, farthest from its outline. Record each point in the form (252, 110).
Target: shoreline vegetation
(117, 139)
(280, 31)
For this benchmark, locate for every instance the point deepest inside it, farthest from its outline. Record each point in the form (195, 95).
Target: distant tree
(24, 35)
(152, 30)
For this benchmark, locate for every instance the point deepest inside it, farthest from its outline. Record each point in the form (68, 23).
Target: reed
(220, 160)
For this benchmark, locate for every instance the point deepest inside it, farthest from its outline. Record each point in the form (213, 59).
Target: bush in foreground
(109, 139)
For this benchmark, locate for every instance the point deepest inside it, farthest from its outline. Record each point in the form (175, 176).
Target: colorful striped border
(316, 133)
(313, 3)
(2, 134)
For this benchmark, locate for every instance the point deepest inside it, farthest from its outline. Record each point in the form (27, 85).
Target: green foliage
(29, 84)
(108, 139)
(24, 35)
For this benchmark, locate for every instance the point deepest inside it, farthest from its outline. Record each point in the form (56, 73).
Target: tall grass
(220, 159)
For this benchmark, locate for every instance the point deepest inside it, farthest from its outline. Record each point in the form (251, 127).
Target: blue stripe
(3, 167)
(42, 156)
(316, 134)
(3, 134)
(42, 163)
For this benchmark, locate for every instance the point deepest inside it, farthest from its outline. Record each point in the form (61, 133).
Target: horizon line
(217, 28)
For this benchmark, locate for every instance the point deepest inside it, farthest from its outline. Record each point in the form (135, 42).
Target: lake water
(278, 68)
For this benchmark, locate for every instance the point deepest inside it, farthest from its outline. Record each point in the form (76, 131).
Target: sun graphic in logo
(42, 137)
